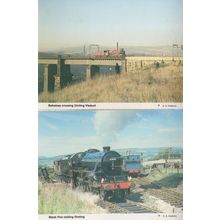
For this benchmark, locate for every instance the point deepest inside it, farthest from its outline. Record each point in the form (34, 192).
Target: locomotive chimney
(117, 46)
(106, 148)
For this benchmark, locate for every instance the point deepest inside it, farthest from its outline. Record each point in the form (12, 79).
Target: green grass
(169, 178)
(60, 199)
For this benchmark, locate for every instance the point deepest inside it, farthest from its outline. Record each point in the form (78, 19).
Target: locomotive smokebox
(106, 148)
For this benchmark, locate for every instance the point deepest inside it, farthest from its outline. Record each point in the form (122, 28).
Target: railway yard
(148, 196)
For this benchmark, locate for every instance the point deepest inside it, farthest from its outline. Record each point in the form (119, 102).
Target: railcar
(62, 168)
(110, 53)
(132, 164)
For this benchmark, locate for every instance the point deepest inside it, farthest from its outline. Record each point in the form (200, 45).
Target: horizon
(80, 46)
(144, 148)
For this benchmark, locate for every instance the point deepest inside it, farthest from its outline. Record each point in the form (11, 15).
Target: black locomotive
(95, 171)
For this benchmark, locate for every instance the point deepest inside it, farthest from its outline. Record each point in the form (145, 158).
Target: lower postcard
(110, 163)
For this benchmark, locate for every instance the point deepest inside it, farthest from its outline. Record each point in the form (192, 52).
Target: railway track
(129, 207)
(170, 196)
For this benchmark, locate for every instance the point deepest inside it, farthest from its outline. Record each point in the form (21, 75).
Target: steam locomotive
(96, 171)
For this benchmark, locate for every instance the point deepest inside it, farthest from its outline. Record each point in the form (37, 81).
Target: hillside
(163, 84)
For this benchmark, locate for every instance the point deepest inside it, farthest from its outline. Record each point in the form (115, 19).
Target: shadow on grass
(171, 181)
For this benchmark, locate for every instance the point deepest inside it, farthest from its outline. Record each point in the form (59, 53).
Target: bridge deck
(83, 61)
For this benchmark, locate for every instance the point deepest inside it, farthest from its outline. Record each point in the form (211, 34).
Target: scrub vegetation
(61, 199)
(162, 83)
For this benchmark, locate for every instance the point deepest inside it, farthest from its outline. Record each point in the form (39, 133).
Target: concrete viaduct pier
(58, 69)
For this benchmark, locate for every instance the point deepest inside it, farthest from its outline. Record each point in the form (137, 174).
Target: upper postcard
(110, 51)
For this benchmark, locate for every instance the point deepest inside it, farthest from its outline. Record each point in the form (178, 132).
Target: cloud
(118, 129)
(51, 126)
(109, 124)
(59, 145)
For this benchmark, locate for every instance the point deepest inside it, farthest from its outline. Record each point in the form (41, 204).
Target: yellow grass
(60, 199)
(164, 84)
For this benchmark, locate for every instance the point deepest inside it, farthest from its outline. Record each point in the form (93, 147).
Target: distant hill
(166, 50)
(48, 161)
(148, 153)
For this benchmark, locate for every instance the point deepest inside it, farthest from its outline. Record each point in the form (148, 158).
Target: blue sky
(66, 23)
(69, 132)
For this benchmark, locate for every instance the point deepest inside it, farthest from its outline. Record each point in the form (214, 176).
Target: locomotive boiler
(98, 171)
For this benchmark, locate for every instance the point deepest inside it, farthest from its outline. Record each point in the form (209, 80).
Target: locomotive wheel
(72, 184)
(124, 197)
(121, 196)
(89, 188)
(80, 185)
(103, 195)
(84, 187)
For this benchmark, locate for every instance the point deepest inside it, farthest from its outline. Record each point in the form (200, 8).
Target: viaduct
(60, 66)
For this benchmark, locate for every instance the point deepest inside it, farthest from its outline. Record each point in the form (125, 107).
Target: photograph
(110, 161)
(110, 51)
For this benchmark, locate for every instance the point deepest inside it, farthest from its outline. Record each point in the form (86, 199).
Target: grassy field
(169, 178)
(60, 199)
(163, 84)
